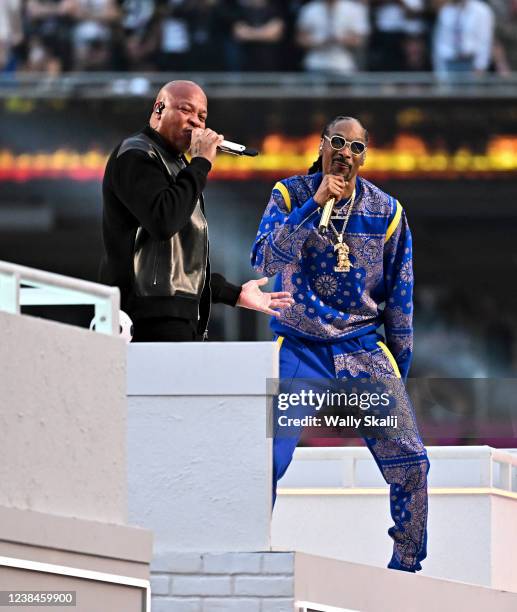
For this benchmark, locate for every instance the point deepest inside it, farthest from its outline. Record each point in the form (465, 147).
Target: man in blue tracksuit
(347, 281)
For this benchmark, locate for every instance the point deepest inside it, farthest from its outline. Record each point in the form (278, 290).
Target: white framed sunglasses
(338, 142)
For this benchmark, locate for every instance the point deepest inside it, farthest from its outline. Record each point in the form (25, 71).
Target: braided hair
(317, 166)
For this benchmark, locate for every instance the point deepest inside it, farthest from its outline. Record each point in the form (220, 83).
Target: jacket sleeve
(282, 231)
(223, 292)
(161, 207)
(398, 279)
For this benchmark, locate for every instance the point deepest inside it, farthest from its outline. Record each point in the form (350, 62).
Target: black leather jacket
(166, 267)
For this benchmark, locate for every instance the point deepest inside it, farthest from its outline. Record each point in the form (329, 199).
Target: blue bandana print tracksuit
(331, 330)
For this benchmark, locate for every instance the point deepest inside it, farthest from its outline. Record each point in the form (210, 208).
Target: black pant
(164, 329)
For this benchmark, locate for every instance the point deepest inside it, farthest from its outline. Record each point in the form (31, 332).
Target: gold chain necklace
(341, 248)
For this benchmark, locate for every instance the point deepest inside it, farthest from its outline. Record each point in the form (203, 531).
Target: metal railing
(262, 85)
(22, 286)
(496, 469)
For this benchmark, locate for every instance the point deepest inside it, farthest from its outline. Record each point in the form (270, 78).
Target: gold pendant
(343, 262)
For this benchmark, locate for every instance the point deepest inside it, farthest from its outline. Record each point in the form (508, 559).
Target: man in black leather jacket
(154, 227)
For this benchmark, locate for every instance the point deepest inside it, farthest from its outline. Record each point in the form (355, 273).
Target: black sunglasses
(338, 142)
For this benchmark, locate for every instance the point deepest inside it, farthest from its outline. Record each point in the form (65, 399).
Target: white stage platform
(199, 475)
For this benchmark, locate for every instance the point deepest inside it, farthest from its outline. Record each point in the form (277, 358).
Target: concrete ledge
(62, 420)
(273, 582)
(117, 592)
(63, 497)
(195, 368)
(199, 460)
(100, 562)
(372, 589)
(75, 535)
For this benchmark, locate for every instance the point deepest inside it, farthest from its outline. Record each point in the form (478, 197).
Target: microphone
(326, 214)
(236, 149)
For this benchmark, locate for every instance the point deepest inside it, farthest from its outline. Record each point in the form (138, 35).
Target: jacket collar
(160, 141)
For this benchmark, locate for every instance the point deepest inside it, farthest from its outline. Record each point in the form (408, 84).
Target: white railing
(494, 469)
(22, 286)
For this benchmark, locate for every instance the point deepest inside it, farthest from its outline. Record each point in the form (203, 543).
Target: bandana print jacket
(331, 306)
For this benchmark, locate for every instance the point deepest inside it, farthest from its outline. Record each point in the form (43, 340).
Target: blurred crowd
(324, 36)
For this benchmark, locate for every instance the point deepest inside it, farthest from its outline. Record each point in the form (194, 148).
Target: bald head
(174, 89)
(180, 106)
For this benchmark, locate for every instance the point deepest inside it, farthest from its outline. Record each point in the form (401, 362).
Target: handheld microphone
(236, 149)
(326, 214)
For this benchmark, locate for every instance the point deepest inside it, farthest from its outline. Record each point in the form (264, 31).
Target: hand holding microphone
(330, 191)
(205, 143)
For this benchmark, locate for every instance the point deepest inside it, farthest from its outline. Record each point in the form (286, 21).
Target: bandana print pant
(400, 455)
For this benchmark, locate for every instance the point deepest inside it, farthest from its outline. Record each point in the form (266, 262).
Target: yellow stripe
(285, 194)
(396, 220)
(279, 341)
(388, 354)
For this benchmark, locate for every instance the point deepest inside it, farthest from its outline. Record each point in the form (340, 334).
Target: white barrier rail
(22, 286)
(496, 468)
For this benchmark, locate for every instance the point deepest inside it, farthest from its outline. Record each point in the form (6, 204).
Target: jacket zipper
(156, 264)
(205, 332)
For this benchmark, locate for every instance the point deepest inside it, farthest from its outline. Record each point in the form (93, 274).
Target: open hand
(252, 297)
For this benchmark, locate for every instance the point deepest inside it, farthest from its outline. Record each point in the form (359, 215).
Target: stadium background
(449, 156)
